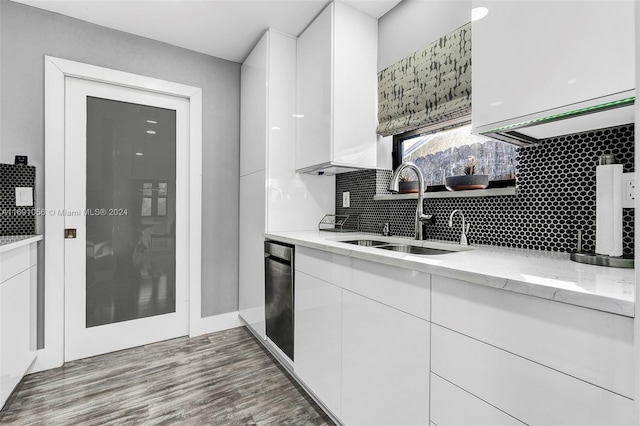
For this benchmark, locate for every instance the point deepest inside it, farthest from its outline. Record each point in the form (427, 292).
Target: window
(445, 152)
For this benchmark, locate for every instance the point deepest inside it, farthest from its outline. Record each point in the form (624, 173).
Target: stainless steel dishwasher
(278, 294)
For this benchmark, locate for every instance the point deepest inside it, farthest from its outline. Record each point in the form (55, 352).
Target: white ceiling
(224, 28)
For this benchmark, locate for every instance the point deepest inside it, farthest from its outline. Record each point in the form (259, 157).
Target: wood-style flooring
(224, 378)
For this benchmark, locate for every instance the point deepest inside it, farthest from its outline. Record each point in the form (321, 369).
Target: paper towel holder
(579, 256)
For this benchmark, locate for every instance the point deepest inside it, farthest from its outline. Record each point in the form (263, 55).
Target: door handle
(69, 233)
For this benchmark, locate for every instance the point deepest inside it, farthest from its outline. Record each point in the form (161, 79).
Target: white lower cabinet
(385, 364)
(18, 280)
(382, 345)
(362, 355)
(528, 391)
(453, 406)
(318, 338)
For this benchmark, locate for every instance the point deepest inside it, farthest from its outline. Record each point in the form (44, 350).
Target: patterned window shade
(431, 86)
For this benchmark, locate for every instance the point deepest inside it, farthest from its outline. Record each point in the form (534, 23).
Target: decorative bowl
(466, 182)
(408, 187)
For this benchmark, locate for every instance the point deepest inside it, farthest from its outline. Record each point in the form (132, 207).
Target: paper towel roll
(609, 209)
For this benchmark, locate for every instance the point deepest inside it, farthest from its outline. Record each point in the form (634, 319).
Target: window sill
(491, 192)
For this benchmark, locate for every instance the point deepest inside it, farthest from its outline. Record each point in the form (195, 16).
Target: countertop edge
(16, 244)
(603, 303)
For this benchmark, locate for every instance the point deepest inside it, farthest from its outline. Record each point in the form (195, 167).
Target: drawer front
(17, 260)
(452, 406)
(400, 288)
(403, 289)
(329, 267)
(591, 345)
(528, 391)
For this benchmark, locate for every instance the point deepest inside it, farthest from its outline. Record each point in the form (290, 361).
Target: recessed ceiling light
(478, 13)
(298, 115)
(275, 128)
(152, 122)
(139, 153)
(151, 132)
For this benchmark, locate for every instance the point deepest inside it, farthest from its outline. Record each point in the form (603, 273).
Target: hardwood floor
(224, 378)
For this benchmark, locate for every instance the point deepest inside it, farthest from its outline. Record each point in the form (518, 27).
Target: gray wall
(27, 34)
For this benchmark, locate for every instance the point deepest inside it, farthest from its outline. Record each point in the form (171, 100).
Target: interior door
(126, 226)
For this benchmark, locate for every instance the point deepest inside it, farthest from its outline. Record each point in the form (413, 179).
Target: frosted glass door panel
(131, 211)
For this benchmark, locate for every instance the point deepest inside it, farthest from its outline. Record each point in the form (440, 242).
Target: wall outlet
(629, 188)
(346, 199)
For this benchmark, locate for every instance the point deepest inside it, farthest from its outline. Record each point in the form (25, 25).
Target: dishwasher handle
(278, 250)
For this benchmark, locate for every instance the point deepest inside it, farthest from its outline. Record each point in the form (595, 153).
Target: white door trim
(56, 71)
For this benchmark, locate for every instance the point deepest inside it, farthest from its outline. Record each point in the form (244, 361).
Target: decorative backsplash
(556, 197)
(16, 220)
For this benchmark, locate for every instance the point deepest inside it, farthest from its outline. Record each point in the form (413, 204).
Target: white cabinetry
(453, 406)
(362, 342)
(533, 58)
(385, 364)
(272, 196)
(336, 92)
(318, 338)
(540, 361)
(18, 277)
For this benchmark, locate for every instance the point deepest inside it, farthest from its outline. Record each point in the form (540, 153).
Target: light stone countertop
(14, 241)
(543, 274)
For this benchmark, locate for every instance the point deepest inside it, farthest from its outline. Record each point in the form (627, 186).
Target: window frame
(397, 151)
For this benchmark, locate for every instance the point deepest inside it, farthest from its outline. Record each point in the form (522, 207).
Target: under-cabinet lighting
(556, 117)
(275, 128)
(298, 115)
(478, 13)
(139, 153)
(152, 122)
(151, 132)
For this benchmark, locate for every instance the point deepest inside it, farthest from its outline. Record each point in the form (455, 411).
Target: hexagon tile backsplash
(556, 197)
(16, 220)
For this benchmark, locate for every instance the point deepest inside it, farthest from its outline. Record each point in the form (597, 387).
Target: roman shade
(431, 86)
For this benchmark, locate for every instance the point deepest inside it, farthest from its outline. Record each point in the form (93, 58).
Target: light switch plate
(24, 197)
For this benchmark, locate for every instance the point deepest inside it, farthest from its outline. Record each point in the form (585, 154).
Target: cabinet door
(317, 342)
(314, 133)
(16, 352)
(251, 270)
(530, 57)
(385, 365)
(253, 109)
(355, 87)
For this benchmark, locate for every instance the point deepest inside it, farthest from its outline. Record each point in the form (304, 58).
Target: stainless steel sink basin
(365, 243)
(414, 249)
(402, 248)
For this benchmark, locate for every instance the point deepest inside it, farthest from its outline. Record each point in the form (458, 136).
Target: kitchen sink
(414, 249)
(401, 248)
(365, 243)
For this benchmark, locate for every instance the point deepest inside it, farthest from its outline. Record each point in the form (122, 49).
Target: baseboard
(214, 323)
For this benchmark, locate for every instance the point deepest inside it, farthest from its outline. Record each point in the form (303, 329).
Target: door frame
(56, 72)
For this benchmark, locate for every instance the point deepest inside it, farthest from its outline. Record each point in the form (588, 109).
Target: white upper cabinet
(535, 59)
(336, 92)
(253, 109)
